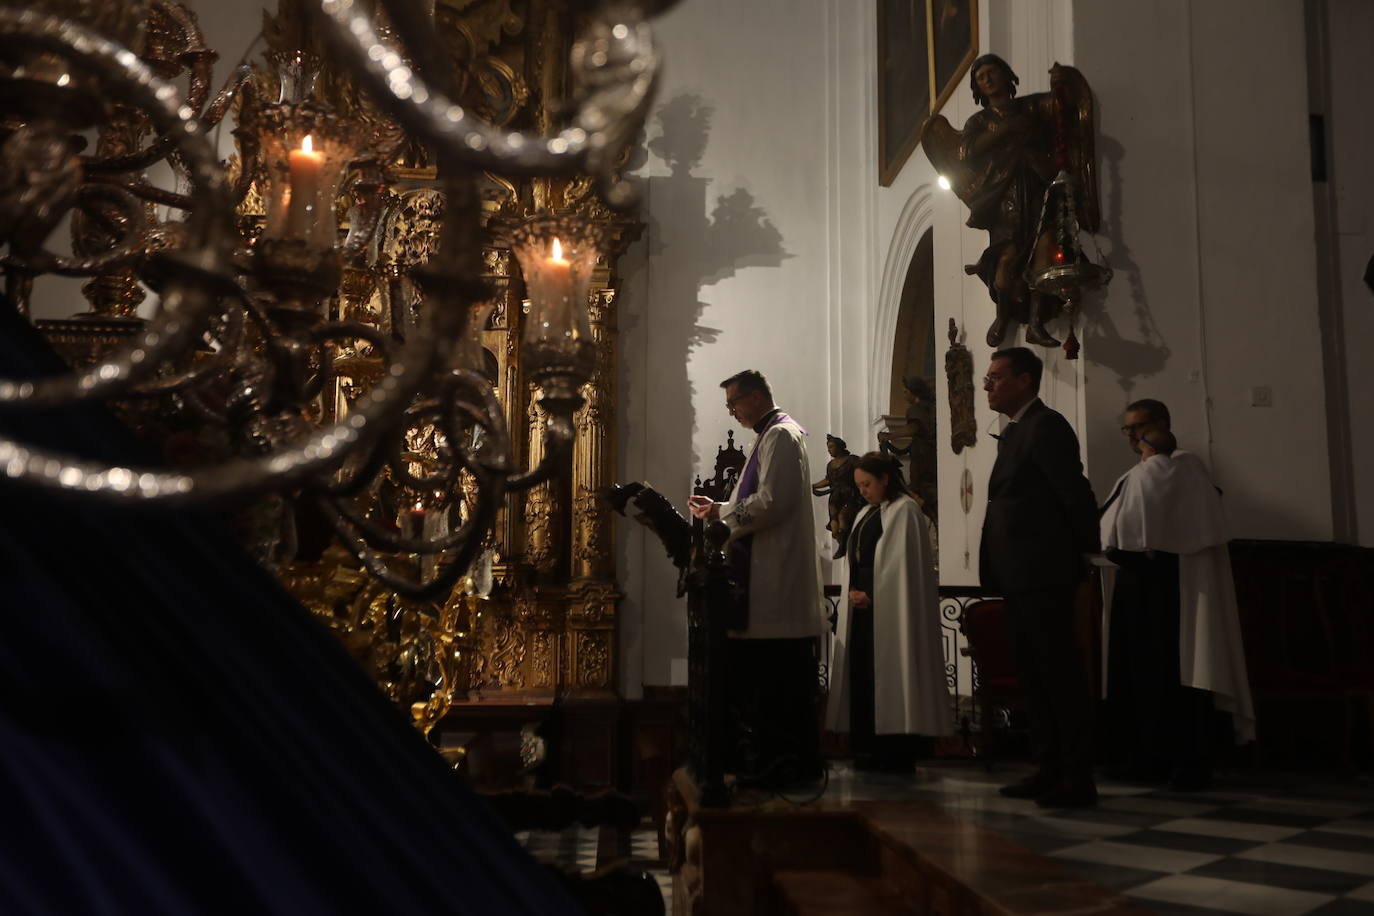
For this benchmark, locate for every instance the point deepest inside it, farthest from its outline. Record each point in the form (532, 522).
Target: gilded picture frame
(924, 49)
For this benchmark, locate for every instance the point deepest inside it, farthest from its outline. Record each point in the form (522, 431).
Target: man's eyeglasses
(992, 379)
(1131, 428)
(731, 402)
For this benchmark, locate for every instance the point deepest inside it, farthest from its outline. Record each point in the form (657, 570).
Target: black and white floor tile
(1270, 847)
(1267, 846)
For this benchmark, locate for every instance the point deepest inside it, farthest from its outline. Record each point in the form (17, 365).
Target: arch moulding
(916, 217)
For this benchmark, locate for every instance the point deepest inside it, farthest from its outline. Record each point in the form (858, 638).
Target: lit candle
(556, 282)
(305, 188)
(417, 531)
(413, 524)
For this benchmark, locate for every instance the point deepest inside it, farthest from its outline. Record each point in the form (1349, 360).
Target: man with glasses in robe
(772, 659)
(1172, 631)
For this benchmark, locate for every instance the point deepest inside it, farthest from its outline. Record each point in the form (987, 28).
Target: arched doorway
(910, 419)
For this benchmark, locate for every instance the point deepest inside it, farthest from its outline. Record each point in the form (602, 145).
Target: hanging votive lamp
(1070, 273)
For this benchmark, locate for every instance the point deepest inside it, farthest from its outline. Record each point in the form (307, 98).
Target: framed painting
(924, 49)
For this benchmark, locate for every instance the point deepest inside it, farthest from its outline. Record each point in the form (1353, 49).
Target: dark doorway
(910, 419)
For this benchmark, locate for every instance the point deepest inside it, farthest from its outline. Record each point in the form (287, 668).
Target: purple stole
(742, 548)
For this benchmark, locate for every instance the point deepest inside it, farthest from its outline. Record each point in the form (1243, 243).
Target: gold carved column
(541, 511)
(538, 620)
(593, 595)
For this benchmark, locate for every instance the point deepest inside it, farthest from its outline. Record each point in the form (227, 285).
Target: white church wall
(734, 271)
(1031, 35)
(1259, 281)
(832, 360)
(1207, 212)
(792, 121)
(1141, 338)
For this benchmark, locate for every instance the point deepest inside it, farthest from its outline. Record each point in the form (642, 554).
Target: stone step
(833, 893)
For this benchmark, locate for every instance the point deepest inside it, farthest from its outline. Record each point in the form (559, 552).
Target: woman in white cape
(888, 674)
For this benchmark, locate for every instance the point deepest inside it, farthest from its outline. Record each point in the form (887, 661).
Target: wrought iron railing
(961, 672)
(834, 595)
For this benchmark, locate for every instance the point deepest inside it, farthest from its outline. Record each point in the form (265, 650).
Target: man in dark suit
(1041, 521)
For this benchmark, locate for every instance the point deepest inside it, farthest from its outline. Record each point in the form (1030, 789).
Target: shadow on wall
(1147, 353)
(687, 249)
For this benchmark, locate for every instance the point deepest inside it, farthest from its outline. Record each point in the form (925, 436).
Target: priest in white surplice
(772, 660)
(1171, 625)
(888, 680)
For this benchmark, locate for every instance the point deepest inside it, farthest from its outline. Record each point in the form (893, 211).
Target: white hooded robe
(1168, 502)
(911, 693)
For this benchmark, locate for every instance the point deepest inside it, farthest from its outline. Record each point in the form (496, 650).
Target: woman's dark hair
(839, 443)
(919, 388)
(1012, 78)
(880, 465)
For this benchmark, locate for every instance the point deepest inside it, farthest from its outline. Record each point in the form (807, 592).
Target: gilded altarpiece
(537, 620)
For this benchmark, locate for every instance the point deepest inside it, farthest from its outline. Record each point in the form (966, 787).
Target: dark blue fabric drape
(177, 735)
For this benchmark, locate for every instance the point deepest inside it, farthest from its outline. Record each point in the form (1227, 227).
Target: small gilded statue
(1001, 164)
(838, 484)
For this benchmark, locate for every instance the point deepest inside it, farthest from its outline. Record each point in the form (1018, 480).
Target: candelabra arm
(208, 230)
(558, 440)
(182, 319)
(125, 250)
(162, 146)
(415, 29)
(617, 81)
(489, 414)
(399, 461)
(196, 54)
(321, 451)
(373, 413)
(153, 194)
(467, 539)
(377, 537)
(354, 480)
(205, 368)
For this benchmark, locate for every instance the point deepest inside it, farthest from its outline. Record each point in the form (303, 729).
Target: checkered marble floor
(1270, 846)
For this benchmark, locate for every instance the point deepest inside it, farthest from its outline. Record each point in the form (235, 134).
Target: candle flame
(557, 251)
(306, 145)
